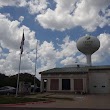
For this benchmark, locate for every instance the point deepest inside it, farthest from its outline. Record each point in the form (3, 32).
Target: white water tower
(88, 45)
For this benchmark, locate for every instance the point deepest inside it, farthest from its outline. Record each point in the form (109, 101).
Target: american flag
(22, 43)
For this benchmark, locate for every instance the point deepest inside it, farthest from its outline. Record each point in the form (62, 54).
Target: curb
(7, 105)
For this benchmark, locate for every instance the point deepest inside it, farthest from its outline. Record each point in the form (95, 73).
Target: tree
(12, 80)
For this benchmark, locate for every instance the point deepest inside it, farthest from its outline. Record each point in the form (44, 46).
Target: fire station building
(83, 79)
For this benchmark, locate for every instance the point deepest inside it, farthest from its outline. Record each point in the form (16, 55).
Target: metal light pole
(35, 66)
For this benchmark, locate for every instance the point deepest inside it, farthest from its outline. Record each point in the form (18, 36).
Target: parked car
(37, 89)
(7, 90)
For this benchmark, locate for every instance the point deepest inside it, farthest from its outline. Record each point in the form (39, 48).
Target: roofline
(104, 67)
(84, 72)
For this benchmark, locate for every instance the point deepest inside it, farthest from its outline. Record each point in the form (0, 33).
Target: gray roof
(66, 70)
(100, 67)
(81, 70)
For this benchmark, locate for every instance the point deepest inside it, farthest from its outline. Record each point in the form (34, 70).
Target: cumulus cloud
(68, 48)
(66, 15)
(85, 13)
(37, 6)
(68, 61)
(48, 56)
(69, 54)
(66, 54)
(21, 18)
(54, 20)
(33, 6)
(103, 53)
(13, 3)
(11, 35)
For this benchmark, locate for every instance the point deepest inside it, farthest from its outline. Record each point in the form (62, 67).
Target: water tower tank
(88, 45)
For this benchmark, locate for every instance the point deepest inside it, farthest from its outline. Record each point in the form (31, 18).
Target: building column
(72, 84)
(84, 85)
(42, 85)
(60, 84)
(48, 84)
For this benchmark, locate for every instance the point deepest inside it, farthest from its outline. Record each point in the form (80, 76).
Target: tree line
(12, 80)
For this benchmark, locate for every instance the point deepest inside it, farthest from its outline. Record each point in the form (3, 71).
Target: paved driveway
(95, 101)
(24, 108)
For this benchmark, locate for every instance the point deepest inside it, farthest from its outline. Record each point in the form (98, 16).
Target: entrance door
(65, 84)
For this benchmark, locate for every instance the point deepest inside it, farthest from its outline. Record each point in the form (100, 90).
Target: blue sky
(57, 25)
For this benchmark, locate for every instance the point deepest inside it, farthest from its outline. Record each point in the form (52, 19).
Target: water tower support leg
(88, 57)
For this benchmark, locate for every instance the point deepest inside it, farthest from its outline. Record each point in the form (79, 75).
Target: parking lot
(94, 101)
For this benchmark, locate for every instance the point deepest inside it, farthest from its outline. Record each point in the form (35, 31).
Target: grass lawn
(14, 100)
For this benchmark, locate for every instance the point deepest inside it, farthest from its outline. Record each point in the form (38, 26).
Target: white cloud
(11, 35)
(68, 48)
(54, 20)
(33, 6)
(69, 53)
(66, 54)
(104, 51)
(21, 18)
(81, 58)
(84, 13)
(12, 3)
(87, 13)
(60, 18)
(0, 50)
(36, 6)
(68, 61)
(7, 3)
(10, 39)
(7, 34)
(47, 55)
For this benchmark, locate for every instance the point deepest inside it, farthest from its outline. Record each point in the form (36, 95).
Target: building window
(94, 86)
(78, 84)
(103, 86)
(54, 84)
(65, 84)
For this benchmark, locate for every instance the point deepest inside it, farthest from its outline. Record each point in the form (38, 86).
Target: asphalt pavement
(24, 108)
(80, 102)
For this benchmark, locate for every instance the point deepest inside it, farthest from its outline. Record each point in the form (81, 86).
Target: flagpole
(35, 67)
(21, 48)
(18, 76)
